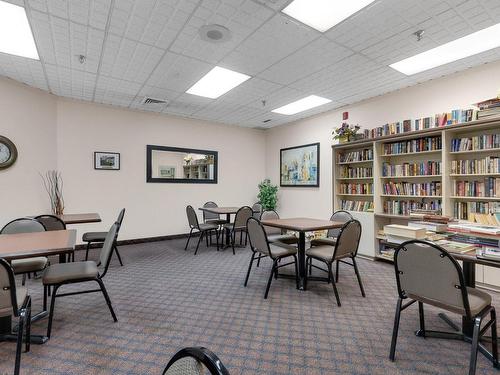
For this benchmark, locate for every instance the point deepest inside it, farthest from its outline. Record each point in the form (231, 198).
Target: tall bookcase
(425, 169)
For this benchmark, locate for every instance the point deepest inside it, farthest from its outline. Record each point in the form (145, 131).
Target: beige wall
(27, 119)
(441, 95)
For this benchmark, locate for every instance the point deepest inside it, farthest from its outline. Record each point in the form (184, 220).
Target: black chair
(28, 265)
(210, 217)
(61, 274)
(195, 361)
(257, 210)
(276, 234)
(99, 237)
(51, 222)
(261, 248)
(426, 273)
(204, 229)
(346, 247)
(239, 225)
(15, 301)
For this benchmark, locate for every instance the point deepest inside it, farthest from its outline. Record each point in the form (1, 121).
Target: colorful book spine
(480, 142)
(429, 168)
(489, 164)
(350, 205)
(356, 188)
(412, 146)
(356, 172)
(404, 207)
(361, 155)
(415, 189)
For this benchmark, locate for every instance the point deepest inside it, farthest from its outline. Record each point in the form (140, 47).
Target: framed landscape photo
(107, 160)
(299, 166)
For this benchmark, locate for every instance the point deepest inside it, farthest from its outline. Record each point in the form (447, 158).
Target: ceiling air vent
(266, 120)
(147, 101)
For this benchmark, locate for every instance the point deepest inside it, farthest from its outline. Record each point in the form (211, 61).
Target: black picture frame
(317, 145)
(149, 165)
(115, 154)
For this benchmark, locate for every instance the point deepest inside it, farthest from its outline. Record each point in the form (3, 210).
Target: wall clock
(8, 153)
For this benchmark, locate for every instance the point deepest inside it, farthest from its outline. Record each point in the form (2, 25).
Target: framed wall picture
(166, 171)
(107, 160)
(299, 166)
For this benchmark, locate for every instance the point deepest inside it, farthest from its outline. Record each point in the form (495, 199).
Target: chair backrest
(257, 237)
(107, 248)
(210, 215)
(257, 210)
(270, 215)
(119, 220)
(242, 216)
(51, 222)
(428, 273)
(8, 298)
(348, 240)
(23, 225)
(192, 218)
(195, 361)
(341, 216)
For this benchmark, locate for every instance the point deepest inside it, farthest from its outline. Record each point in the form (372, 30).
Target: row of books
(413, 145)
(467, 210)
(358, 172)
(428, 168)
(356, 205)
(489, 108)
(489, 187)
(409, 188)
(356, 188)
(361, 155)
(456, 116)
(490, 164)
(480, 142)
(404, 207)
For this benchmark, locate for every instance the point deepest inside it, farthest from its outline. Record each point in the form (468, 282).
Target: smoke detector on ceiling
(215, 33)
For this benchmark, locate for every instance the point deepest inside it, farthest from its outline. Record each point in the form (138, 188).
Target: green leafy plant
(268, 195)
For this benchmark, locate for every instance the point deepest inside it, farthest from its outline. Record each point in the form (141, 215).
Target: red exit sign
(345, 115)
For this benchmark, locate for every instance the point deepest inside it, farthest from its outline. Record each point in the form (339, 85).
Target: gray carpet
(166, 299)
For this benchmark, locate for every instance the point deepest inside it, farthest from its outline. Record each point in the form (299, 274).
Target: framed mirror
(180, 165)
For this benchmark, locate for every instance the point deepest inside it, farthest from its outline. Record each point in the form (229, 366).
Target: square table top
(28, 245)
(220, 210)
(80, 218)
(303, 224)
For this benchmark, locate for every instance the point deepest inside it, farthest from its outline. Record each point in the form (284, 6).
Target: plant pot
(344, 139)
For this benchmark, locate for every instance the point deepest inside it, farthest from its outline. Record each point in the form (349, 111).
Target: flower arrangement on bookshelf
(346, 133)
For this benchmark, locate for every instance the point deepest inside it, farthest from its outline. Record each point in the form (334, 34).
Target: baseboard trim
(134, 241)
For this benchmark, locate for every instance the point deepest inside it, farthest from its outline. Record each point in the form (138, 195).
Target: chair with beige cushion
(27, 265)
(17, 302)
(239, 225)
(204, 229)
(61, 274)
(428, 274)
(210, 217)
(276, 234)
(331, 236)
(346, 247)
(51, 222)
(195, 361)
(261, 248)
(257, 210)
(98, 237)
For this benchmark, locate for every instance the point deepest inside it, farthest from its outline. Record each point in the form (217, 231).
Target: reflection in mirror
(172, 164)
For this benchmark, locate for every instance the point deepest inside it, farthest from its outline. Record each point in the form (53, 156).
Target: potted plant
(345, 132)
(268, 195)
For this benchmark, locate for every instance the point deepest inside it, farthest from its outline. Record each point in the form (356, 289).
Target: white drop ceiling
(139, 48)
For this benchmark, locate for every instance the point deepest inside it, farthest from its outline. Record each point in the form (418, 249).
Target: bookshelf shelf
(411, 196)
(476, 198)
(355, 162)
(474, 175)
(353, 178)
(405, 177)
(475, 151)
(356, 195)
(411, 153)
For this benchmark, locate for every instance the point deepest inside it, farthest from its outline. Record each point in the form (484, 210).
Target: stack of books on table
(429, 226)
(489, 108)
(468, 227)
(398, 234)
(490, 253)
(455, 247)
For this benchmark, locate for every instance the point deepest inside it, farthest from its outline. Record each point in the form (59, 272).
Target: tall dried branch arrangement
(53, 183)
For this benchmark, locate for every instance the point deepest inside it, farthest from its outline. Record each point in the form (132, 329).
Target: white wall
(27, 119)
(441, 95)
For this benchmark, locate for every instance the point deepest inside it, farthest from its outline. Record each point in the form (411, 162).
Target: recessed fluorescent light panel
(16, 37)
(472, 44)
(324, 14)
(217, 82)
(301, 105)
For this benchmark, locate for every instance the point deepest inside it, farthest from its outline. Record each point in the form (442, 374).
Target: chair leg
(106, 297)
(258, 262)
(87, 251)
(333, 284)
(187, 242)
(270, 279)
(28, 326)
(118, 255)
(357, 275)
(310, 266)
(475, 341)
(422, 318)
(233, 239)
(20, 331)
(206, 238)
(217, 238)
(395, 329)
(24, 279)
(249, 268)
(51, 313)
(246, 238)
(241, 238)
(494, 338)
(198, 244)
(296, 271)
(337, 272)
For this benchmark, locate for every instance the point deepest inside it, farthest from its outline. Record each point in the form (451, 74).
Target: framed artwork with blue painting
(299, 166)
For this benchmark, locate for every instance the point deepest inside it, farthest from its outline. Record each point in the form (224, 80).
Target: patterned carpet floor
(166, 299)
